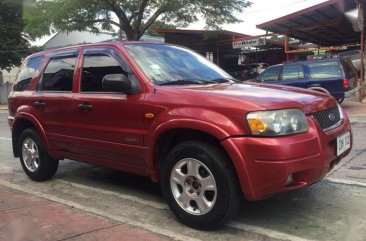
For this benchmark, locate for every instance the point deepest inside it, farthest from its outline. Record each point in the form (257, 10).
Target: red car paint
(122, 131)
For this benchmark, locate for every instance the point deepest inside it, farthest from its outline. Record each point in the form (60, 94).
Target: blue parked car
(335, 76)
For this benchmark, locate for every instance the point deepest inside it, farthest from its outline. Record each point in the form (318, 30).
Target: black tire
(340, 100)
(47, 166)
(228, 193)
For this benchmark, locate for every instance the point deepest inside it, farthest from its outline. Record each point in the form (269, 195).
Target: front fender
(210, 122)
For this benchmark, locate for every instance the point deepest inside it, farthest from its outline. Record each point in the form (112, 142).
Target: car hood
(256, 96)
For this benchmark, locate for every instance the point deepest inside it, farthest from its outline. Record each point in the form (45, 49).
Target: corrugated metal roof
(323, 24)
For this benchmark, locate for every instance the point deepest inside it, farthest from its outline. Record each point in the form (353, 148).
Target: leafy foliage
(13, 43)
(133, 17)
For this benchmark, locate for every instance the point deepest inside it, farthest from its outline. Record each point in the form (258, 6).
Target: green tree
(13, 42)
(133, 17)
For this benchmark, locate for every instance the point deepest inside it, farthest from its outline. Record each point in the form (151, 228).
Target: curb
(357, 119)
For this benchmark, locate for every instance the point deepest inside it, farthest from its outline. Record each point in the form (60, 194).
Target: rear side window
(325, 69)
(348, 67)
(58, 75)
(270, 74)
(27, 72)
(292, 72)
(95, 67)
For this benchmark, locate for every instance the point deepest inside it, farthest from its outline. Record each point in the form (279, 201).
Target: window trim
(112, 52)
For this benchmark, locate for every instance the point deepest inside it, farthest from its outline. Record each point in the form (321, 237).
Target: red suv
(166, 112)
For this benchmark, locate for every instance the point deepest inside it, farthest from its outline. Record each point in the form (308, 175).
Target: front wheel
(200, 185)
(36, 162)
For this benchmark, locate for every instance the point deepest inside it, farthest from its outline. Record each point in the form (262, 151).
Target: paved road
(333, 209)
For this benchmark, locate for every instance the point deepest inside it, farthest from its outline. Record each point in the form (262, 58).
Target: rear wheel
(36, 162)
(200, 185)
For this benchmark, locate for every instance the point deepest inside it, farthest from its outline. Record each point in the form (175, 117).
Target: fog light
(289, 180)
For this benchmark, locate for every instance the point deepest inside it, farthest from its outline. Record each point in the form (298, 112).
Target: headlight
(277, 122)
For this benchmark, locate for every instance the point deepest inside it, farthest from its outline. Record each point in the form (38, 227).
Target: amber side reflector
(149, 115)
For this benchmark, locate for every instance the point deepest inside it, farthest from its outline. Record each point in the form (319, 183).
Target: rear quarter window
(325, 69)
(27, 72)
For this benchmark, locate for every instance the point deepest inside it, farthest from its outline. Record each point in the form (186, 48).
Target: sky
(261, 11)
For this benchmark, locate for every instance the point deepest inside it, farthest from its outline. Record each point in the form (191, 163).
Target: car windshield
(172, 65)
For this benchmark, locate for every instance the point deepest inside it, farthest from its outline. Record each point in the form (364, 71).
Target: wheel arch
(21, 122)
(319, 88)
(168, 136)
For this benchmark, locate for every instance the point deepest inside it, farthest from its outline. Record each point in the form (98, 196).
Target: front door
(110, 124)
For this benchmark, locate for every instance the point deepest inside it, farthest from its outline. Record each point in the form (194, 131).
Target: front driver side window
(270, 74)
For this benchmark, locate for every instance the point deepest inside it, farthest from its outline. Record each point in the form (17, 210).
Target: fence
(5, 89)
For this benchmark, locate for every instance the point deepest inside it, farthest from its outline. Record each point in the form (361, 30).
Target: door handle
(39, 103)
(85, 107)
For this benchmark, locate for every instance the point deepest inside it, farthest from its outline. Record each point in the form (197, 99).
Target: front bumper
(264, 164)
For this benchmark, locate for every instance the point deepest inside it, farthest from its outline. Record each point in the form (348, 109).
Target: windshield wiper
(184, 82)
(224, 80)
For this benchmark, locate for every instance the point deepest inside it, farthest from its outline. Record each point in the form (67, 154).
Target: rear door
(110, 124)
(53, 99)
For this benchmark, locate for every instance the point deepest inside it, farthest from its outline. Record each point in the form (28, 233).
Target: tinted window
(95, 67)
(58, 74)
(270, 74)
(27, 72)
(292, 72)
(347, 67)
(325, 69)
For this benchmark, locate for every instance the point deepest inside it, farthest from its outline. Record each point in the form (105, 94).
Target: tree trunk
(129, 33)
(120, 32)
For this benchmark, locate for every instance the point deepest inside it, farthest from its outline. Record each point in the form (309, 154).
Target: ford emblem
(331, 116)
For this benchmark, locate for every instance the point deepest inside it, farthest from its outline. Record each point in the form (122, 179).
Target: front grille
(328, 119)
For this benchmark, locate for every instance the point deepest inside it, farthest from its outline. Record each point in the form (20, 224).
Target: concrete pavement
(355, 110)
(27, 217)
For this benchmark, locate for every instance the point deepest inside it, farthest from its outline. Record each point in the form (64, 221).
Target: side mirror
(116, 83)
